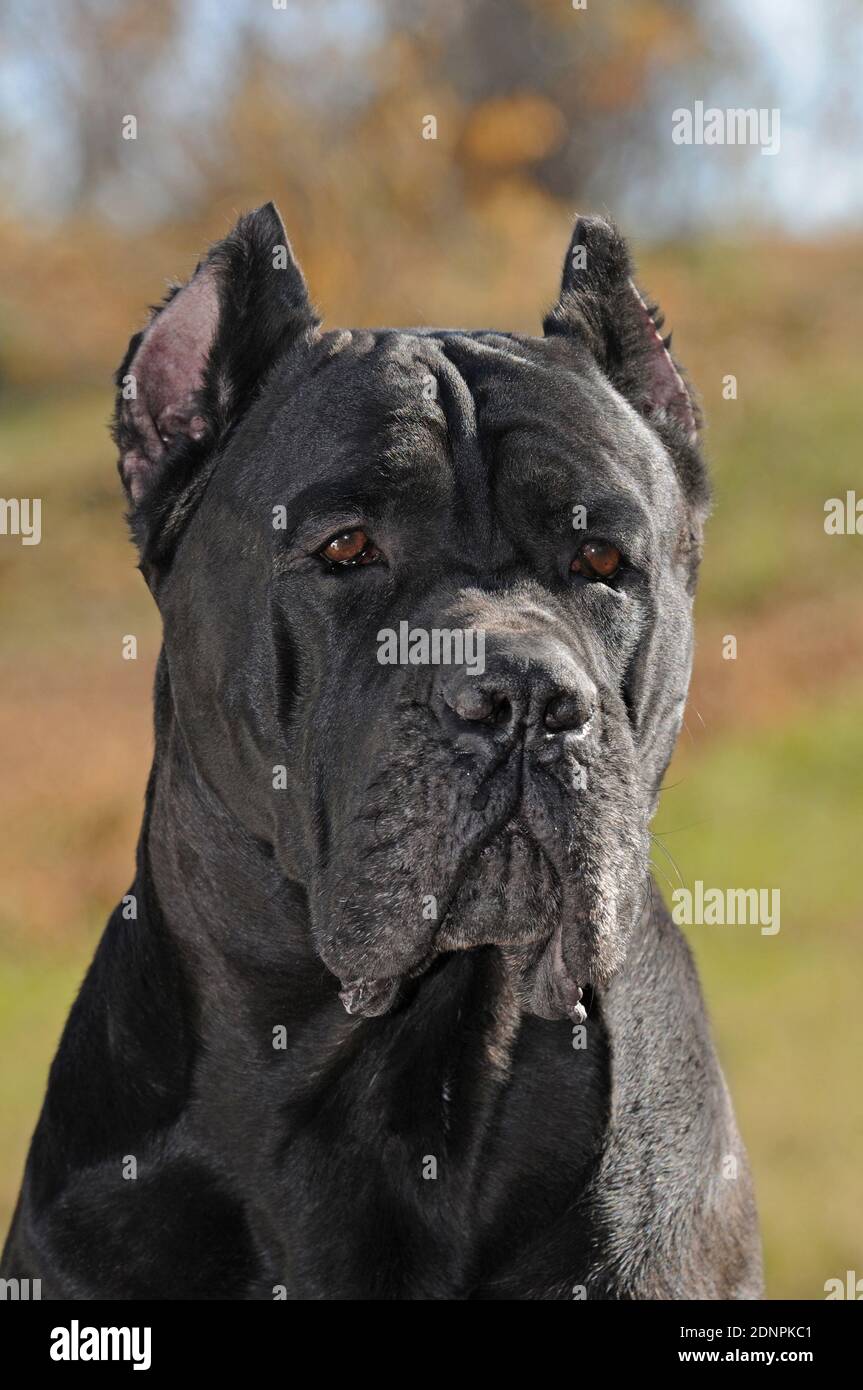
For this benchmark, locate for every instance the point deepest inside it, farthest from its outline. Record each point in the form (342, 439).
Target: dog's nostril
(473, 703)
(566, 711)
(478, 706)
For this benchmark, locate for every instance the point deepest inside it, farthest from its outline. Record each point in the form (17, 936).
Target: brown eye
(350, 548)
(597, 560)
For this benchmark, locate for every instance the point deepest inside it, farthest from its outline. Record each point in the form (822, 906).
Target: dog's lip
(566, 992)
(369, 998)
(554, 992)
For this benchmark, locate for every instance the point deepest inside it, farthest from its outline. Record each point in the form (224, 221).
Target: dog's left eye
(597, 560)
(350, 548)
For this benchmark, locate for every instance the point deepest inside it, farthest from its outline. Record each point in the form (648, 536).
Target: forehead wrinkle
(580, 428)
(476, 364)
(469, 468)
(407, 441)
(441, 429)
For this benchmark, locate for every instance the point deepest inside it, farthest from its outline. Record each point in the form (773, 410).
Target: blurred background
(542, 107)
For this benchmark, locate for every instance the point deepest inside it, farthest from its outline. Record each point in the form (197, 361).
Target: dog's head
(427, 603)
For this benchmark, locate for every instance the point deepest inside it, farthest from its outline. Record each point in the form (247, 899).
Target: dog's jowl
(399, 1014)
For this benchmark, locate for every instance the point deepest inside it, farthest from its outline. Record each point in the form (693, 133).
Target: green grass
(779, 810)
(36, 992)
(777, 461)
(775, 808)
(80, 585)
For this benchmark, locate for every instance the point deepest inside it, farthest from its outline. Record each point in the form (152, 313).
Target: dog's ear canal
(193, 371)
(600, 303)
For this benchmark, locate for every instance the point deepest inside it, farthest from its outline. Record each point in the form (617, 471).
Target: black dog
(333, 1043)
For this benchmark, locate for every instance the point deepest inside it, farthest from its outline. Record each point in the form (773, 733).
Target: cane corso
(392, 1009)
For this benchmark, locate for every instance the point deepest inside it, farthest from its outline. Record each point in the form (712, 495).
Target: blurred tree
(538, 107)
(547, 86)
(538, 87)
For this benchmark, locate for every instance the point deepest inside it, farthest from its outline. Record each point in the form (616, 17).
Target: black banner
(170, 1338)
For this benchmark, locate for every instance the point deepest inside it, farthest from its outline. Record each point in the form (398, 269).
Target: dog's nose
(553, 699)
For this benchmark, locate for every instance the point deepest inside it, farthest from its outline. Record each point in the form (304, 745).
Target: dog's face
(427, 605)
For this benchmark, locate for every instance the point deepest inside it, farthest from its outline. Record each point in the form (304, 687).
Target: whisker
(669, 856)
(662, 875)
(672, 785)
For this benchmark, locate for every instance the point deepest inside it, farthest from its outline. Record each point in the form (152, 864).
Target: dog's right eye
(350, 548)
(597, 560)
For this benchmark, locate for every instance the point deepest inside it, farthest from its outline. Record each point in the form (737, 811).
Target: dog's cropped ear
(600, 303)
(189, 376)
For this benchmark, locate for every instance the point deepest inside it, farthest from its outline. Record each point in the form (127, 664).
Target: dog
(392, 1009)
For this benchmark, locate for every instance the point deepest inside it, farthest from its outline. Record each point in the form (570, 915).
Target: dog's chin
(557, 936)
(514, 899)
